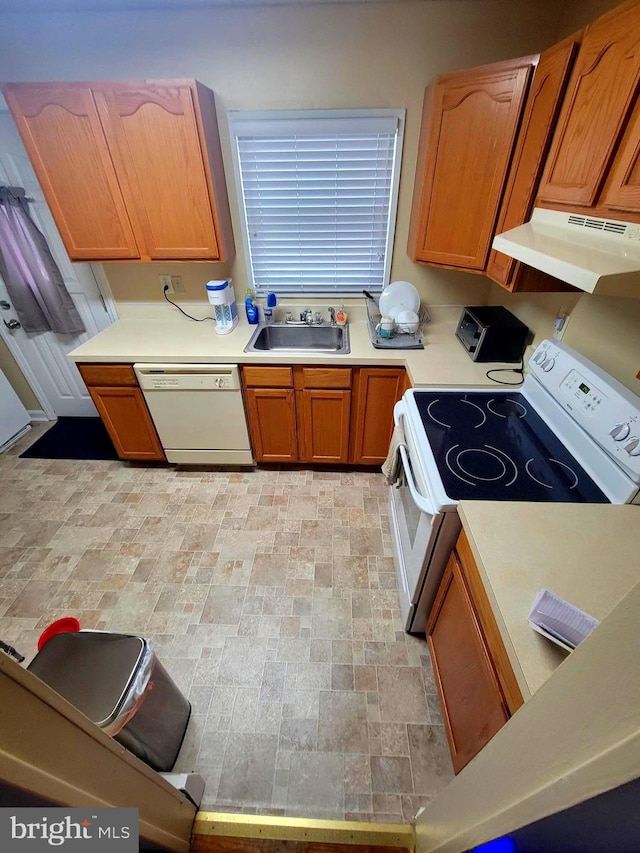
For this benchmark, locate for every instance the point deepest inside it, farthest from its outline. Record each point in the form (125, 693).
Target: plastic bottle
(270, 304)
(251, 308)
(341, 316)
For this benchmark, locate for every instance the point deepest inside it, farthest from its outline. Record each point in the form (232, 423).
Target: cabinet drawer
(324, 377)
(108, 374)
(268, 377)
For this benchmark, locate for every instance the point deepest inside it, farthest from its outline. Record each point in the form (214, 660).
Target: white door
(55, 380)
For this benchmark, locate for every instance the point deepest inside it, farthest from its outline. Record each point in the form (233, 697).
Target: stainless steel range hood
(595, 255)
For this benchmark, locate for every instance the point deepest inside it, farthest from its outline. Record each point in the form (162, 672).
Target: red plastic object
(67, 623)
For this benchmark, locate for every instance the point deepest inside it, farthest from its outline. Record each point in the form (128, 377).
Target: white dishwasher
(198, 412)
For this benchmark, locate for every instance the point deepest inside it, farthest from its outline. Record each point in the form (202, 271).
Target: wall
(604, 329)
(16, 379)
(315, 56)
(285, 57)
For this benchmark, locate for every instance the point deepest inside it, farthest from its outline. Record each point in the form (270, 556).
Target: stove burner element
(573, 474)
(450, 426)
(508, 406)
(486, 458)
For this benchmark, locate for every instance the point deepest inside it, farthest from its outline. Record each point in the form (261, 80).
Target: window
(318, 194)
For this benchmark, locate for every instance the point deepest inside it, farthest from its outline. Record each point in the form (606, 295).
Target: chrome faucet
(307, 316)
(332, 314)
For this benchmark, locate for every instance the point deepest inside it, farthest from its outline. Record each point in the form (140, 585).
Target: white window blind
(318, 195)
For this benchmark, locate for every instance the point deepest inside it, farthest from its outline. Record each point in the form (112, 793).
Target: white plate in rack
(398, 296)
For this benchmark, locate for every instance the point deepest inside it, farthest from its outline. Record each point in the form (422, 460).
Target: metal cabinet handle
(12, 324)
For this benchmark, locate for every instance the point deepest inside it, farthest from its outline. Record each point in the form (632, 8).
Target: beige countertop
(586, 554)
(159, 333)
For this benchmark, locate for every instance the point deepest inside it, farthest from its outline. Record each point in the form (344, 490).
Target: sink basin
(281, 337)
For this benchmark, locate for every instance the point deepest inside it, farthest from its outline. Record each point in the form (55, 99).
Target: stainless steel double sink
(285, 337)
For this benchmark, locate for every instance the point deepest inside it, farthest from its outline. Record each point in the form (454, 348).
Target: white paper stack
(559, 621)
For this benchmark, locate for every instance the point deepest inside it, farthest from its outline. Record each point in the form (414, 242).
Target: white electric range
(570, 433)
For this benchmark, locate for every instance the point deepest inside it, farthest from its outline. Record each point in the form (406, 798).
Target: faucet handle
(318, 320)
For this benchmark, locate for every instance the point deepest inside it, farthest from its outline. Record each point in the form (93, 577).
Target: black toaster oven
(491, 333)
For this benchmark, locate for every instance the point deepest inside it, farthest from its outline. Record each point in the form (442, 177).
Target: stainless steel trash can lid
(91, 670)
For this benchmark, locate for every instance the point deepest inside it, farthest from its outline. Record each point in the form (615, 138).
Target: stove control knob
(540, 356)
(548, 364)
(633, 447)
(619, 432)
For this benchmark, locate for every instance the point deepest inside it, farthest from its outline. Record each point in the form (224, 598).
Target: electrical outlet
(560, 324)
(167, 285)
(176, 283)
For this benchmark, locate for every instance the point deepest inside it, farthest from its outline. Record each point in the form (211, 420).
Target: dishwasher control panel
(188, 377)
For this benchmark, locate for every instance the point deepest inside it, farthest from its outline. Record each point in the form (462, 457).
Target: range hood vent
(595, 255)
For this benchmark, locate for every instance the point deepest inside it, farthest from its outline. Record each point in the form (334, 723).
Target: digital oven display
(584, 388)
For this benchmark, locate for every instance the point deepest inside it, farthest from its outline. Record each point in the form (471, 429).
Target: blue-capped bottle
(251, 308)
(270, 303)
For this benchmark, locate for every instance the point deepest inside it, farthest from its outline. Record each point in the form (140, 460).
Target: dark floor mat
(73, 438)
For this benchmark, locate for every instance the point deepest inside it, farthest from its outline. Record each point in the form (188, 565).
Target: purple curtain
(32, 278)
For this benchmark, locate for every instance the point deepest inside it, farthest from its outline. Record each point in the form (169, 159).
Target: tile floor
(271, 598)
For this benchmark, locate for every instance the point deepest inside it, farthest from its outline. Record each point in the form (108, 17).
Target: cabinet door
(471, 122)
(623, 189)
(61, 131)
(378, 389)
(153, 135)
(126, 417)
(473, 705)
(323, 424)
(599, 100)
(272, 424)
(543, 103)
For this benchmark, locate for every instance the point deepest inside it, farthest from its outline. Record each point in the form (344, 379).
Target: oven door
(422, 534)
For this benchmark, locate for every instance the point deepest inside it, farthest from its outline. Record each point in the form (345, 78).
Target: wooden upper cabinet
(131, 170)
(61, 131)
(152, 134)
(469, 125)
(543, 104)
(600, 99)
(622, 191)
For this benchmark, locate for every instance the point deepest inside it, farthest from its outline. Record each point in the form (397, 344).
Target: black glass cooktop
(496, 447)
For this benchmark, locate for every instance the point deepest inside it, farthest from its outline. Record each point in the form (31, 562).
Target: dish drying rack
(400, 340)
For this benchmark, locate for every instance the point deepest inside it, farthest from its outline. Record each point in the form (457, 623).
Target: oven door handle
(421, 501)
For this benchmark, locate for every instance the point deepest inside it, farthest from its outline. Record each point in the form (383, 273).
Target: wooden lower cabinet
(322, 415)
(272, 424)
(376, 391)
(121, 405)
(323, 425)
(477, 687)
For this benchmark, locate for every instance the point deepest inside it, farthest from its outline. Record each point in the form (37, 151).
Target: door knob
(12, 324)
(4, 305)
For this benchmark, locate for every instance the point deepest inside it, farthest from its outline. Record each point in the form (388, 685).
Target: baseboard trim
(305, 829)
(38, 415)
